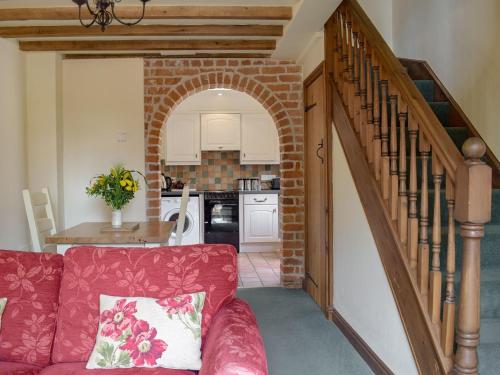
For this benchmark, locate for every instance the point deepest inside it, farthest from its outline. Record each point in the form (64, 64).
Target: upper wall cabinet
(220, 132)
(183, 140)
(259, 140)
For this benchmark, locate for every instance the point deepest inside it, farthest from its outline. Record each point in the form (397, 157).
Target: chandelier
(102, 12)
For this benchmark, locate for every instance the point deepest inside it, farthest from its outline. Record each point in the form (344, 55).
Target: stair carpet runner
(489, 348)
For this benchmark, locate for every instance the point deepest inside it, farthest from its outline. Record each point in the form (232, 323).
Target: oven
(222, 218)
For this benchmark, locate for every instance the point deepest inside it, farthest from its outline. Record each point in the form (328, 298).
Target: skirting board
(373, 361)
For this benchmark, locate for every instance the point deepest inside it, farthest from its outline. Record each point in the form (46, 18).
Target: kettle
(166, 183)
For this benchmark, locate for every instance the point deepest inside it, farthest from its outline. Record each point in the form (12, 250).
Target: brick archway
(277, 85)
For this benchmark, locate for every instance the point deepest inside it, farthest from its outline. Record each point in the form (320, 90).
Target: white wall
(313, 54)
(43, 125)
(459, 39)
(380, 13)
(13, 223)
(101, 99)
(361, 291)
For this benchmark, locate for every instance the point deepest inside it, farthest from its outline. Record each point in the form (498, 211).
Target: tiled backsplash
(219, 170)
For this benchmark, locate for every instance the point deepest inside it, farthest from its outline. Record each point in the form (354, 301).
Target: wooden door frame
(326, 289)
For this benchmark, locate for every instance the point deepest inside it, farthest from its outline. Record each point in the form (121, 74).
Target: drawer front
(261, 198)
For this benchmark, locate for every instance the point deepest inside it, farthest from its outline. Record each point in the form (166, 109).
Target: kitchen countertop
(259, 192)
(178, 193)
(195, 193)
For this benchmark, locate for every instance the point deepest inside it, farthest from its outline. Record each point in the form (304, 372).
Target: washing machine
(170, 207)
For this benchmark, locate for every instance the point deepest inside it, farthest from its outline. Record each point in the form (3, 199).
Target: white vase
(116, 218)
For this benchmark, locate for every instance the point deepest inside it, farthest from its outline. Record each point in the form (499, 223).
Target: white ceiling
(309, 17)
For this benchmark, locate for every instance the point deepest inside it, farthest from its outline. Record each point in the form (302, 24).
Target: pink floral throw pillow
(3, 302)
(149, 332)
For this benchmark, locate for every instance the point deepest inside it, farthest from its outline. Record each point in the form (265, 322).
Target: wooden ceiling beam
(141, 30)
(154, 12)
(160, 56)
(146, 45)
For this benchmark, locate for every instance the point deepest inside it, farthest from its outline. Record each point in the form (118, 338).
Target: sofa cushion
(156, 273)
(30, 281)
(149, 332)
(16, 368)
(79, 369)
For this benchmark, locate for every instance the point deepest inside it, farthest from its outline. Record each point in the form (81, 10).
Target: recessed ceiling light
(219, 94)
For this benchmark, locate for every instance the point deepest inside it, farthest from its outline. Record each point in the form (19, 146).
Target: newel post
(473, 210)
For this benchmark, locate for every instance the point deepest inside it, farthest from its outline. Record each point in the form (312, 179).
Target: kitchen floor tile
(258, 270)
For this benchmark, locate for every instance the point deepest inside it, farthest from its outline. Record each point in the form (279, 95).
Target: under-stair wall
(362, 294)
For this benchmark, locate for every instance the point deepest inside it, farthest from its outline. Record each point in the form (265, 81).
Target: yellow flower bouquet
(116, 188)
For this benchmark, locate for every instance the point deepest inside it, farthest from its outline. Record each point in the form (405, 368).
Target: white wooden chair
(40, 218)
(182, 216)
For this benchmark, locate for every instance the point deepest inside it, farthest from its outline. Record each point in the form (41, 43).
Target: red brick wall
(277, 85)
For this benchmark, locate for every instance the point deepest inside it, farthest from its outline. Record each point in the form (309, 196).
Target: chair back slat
(44, 225)
(38, 199)
(40, 217)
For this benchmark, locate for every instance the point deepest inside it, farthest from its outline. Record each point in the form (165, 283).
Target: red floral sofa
(51, 319)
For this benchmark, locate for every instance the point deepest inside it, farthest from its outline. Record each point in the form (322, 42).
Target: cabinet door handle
(274, 210)
(260, 200)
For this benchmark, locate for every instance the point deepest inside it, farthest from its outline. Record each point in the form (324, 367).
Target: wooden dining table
(146, 234)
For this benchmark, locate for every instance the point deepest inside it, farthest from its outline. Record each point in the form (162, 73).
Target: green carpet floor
(489, 348)
(298, 338)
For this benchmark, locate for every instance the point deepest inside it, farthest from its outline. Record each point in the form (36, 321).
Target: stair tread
(426, 87)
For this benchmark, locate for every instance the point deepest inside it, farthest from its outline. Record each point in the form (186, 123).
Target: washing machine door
(173, 215)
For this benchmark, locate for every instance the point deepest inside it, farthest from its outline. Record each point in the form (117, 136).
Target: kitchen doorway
(226, 146)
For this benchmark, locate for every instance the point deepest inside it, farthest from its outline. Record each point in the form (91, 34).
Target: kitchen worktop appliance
(222, 218)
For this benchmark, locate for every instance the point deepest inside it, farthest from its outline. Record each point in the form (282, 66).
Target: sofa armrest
(234, 345)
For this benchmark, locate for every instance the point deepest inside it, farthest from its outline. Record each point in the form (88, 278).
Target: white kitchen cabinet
(259, 140)
(260, 218)
(183, 140)
(221, 131)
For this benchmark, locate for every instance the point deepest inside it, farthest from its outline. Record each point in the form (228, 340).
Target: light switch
(121, 137)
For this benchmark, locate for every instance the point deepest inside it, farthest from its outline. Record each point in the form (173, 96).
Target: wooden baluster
(345, 58)
(403, 195)
(356, 81)
(335, 46)
(376, 117)
(384, 137)
(362, 90)
(393, 157)
(435, 275)
(340, 56)
(473, 210)
(369, 104)
(448, 327)
(412, 195)
(423, 244)
(350, 69)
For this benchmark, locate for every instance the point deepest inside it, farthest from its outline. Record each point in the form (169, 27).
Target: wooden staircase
(393, 142)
